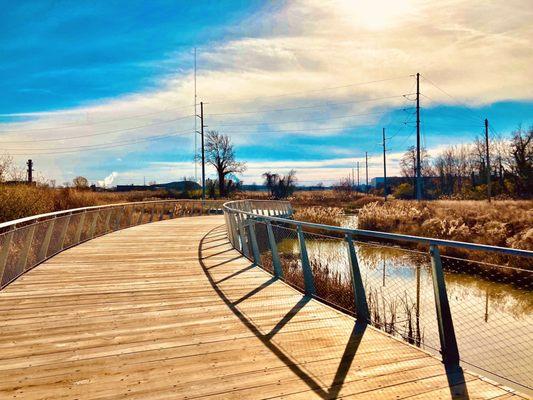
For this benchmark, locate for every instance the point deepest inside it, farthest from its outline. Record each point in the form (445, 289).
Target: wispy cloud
(479, 57)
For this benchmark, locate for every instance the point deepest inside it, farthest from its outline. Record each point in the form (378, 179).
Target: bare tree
(521, 160)
(80, 182)
(6, 165)
(220, 153)
(280, 186)
(408, 162)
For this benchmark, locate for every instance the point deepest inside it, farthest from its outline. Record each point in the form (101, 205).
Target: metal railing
(27, 242)
(398, 283)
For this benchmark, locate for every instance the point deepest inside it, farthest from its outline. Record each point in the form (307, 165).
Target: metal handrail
(31, 218)
(385, 235)
(27, 242)
(241, 223)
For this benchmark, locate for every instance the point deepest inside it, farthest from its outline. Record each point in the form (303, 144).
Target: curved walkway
(169, 310)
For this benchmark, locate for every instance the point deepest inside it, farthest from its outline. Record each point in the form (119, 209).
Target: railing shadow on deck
(456, 380)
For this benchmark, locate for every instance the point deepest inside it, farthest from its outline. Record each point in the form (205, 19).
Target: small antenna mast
(195, 124)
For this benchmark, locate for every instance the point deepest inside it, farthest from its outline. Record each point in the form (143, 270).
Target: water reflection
(492, 319)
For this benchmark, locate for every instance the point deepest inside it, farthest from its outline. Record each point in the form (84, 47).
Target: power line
(306, 120)
(465, 117)
(101, 145)
(243, 100)
(98, 133)
(89, 123)
(306, 107)
(452, 97)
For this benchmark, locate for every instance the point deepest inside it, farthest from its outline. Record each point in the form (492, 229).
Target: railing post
(306, 266)
(229, 221)
(141, 215)
(152, 213)
(162, 213)
(93, 224)
(43, 251)
(25, 251)
(118, 218)
(171, 210)
(278, 272)
(132, 215)
(253, 239)
(234, 232)
(242, 236)
(361, 306)
(63, 233)
(448, 342)
(107, 219)
(77, 238)
(4, 252)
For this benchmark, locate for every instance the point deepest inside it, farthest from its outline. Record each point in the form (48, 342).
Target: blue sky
(60, 54)
(86, 86)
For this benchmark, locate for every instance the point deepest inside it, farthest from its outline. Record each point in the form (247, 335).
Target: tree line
(460, 171)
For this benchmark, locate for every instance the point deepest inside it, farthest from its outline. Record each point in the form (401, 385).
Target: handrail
(27, 242)
(389, 236)
(247, 220)
(18, 221)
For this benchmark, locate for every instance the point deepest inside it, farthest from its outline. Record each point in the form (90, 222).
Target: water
(492, 318)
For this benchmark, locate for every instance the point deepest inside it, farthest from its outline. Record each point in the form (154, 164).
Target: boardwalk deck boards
(168, 311)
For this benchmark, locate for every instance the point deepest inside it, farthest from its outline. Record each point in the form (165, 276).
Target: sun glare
(375, 14)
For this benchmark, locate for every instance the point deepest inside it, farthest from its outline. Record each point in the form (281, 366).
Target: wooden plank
(138, 312)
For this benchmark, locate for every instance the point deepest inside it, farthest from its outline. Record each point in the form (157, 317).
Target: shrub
(403, 191)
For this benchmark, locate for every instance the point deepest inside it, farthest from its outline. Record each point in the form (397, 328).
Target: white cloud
(478, 53)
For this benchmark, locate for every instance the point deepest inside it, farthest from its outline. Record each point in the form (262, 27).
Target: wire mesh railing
(467, 311)
(27, 242)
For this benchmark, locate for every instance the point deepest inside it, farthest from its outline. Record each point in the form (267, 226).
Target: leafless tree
(6, 165)
(80, 182)
(280, 186)
(521, 160)
(220, 153)
(408, 162)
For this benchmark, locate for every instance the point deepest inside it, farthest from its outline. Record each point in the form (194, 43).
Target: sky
(105, 89)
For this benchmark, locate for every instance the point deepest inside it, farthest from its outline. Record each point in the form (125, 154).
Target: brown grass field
(19, 201)
(507, 223)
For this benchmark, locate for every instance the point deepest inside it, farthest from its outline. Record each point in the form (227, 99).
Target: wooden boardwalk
(169, 311)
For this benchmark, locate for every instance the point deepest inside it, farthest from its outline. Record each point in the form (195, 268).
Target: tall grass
(501, 223)
(507, 223)
(19, 201)
(350, 201)
(320, 215)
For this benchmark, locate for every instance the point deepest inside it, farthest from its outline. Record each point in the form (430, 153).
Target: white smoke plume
(108, 180)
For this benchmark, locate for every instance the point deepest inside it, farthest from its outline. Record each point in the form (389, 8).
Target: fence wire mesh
(24, 245)
(491, 304)
(492, 309)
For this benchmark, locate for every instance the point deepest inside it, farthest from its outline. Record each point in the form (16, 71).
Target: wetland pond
(492, 318)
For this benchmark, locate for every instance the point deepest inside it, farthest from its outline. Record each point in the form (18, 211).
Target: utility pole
(418, 168)
(384, 168)
(488, 157)
(353, 178)
(202, 126)
(366, 160)
(358, 183)
(30, 171)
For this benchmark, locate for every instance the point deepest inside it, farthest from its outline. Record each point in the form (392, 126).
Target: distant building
(178, 186)
(378, 180)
